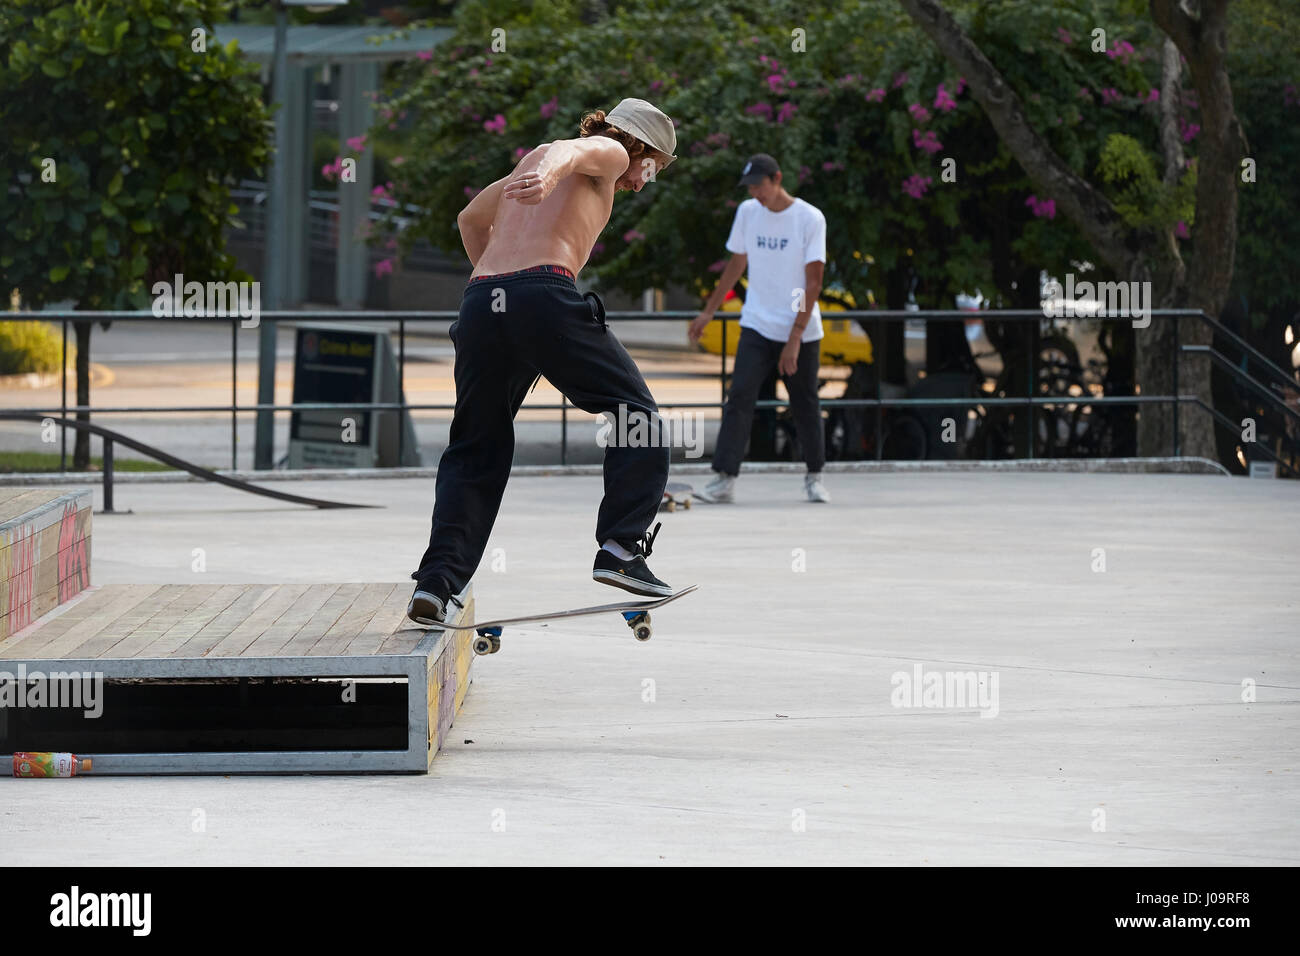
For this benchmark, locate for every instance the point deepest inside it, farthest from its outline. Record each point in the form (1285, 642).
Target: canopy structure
(356, 53)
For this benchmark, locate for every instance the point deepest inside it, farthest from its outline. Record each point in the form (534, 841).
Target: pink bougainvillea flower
(496, 125)
(1110, 95)
(875, 96)
(550, 107)
(656, 86)
(919, 113)
(760, 109)
(916, 185)
(1064, 35)
(787, 110)
(1042, 208)
(804, 173)
(383, 267)
(357, 143)
(718, 266)
(776, 82)
(633, 235)
(899, 79)
(1189, 130)
(1153, 96)
(943, 100)
(961, 85)
(425, 54)
(1122, 50)
(598, 248)
(929, 142)
(520, 153)
(1181, 230)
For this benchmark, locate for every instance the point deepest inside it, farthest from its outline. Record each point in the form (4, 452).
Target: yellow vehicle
(844, 341)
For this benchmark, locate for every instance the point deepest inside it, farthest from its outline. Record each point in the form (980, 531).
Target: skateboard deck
(676, 493)
(636, 613)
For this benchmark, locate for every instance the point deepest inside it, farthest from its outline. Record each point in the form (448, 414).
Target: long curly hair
(593, 124)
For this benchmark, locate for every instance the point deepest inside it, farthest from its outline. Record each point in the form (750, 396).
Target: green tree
(123, 131)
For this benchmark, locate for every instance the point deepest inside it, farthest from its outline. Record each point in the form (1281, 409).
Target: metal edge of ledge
(1176, 466)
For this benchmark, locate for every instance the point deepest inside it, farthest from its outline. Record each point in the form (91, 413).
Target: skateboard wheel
(687, 503)
(671, 506)
(496, 644)
(486, 644)
(642, 632)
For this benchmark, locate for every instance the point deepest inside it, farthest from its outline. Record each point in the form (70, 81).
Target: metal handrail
(401, 317)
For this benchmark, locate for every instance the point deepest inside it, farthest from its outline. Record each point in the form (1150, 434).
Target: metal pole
(1029, 390)
(108, 476)
(877, 355)
(234, 394)
(1178, 357)
(401, 390)
(63, 432)
(276, 238)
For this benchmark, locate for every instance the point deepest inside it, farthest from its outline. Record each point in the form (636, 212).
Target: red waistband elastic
(551, 270)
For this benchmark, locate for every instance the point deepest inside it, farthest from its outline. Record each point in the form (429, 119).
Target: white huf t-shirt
(778, 245)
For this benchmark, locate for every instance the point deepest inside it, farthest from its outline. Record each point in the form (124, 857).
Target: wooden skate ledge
(245, 678)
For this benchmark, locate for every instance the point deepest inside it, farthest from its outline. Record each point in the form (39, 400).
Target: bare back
(560, 230)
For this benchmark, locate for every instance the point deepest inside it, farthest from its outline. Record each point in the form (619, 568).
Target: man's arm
(597, 156)
(730, 273)
(813, 273)
(475, 220)
(733, 270)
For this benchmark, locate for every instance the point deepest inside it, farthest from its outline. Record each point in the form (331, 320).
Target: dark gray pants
(756, 356)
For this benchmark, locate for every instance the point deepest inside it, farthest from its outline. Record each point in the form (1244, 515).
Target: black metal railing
(1283, 404)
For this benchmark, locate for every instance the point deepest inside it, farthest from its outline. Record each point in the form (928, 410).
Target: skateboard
(636, 613)
(676, 493)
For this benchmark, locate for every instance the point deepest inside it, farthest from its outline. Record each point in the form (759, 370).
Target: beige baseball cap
(647, 123)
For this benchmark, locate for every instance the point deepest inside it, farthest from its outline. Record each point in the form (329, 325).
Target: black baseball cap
(757, 168)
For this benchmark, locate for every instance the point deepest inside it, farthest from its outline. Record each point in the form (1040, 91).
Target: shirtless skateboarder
(527, 236)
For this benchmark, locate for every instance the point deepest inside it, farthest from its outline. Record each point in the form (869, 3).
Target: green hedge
(31, 347)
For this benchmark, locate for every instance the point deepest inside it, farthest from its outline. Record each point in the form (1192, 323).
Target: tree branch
(1090, 211)
(1184, 29)
(1171, 93)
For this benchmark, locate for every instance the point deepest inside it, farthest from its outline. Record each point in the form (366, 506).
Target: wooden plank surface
(178, 621)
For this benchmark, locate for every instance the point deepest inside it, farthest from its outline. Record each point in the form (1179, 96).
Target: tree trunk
(1132, 254)
(1203, 40)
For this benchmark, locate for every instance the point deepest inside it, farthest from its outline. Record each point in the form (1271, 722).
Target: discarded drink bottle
(49, 765)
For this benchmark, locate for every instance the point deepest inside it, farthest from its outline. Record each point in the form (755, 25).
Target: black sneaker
(428, 604)
(633, 575)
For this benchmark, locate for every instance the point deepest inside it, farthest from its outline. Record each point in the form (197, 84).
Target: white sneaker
(721, 490)
(813, 487)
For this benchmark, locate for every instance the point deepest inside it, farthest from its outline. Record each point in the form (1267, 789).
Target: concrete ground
(1120, 618)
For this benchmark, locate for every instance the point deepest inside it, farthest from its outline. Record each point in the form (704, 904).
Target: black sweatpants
(511, 329)
(756, 356)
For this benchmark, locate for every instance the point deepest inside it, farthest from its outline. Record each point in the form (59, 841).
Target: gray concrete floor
(770, 736)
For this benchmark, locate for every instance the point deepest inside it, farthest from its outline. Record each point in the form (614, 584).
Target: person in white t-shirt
(782, 240)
